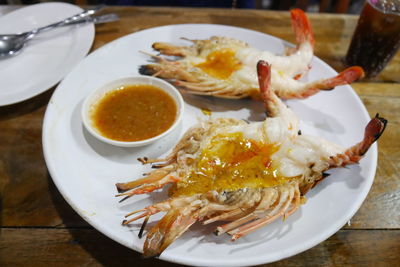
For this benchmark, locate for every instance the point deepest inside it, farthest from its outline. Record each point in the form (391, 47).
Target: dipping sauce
(134, 113)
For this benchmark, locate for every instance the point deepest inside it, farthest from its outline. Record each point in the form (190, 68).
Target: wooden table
(39, 228)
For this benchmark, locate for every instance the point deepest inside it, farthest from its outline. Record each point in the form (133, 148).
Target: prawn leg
(170, 49)
(284, 203)
(167, 230)
(150, 187)
(167, 71)
(151, 178)
(268, 201)
(226, 216)
(146, 212)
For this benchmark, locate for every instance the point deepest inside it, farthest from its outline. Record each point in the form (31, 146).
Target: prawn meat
(243, 174)
(225, 67)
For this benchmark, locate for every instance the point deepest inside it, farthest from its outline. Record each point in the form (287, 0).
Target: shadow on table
(27, 106)
(102, 249)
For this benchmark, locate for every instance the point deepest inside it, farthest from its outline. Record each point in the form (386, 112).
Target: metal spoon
(98, 19)
(12, 44)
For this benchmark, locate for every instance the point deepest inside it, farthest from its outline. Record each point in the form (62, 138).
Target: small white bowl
(92, 99)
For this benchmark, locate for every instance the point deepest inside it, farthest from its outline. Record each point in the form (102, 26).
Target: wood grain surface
(39, 228)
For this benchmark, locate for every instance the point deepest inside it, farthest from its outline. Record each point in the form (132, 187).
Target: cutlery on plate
(12, 44)
(98, 19)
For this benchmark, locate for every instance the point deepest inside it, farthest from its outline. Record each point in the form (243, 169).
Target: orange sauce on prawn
(231, 162)
(134, 113)
(220, 63)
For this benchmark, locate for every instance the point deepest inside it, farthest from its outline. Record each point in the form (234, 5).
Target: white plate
(85, 170)
(48, 57)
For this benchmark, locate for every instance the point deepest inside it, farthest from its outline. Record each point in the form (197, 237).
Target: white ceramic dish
(93, 98)
(85, 170)
(48, 57)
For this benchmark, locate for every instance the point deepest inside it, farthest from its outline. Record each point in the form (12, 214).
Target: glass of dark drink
(377, 36)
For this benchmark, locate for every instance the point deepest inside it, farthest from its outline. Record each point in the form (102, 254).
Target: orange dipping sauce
(134, 113)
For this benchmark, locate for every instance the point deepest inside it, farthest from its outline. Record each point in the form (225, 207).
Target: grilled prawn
(247, 175)
(225, 67)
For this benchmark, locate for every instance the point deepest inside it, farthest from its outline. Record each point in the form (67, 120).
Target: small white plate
(48, 57)
(85, 170)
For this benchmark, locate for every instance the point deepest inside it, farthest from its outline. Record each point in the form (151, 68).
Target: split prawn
(225, 67)
(246, 174)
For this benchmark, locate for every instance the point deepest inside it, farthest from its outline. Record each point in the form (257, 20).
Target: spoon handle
(69, 20)
(98, 19)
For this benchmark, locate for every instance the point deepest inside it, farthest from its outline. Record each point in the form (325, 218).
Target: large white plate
(48, 57)
(86, 170)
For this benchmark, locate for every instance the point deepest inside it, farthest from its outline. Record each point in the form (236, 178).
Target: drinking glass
(377, 36)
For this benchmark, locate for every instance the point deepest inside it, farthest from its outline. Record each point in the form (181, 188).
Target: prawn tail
(264, 80)
(271, 101)
(302, 27)
(273, 104)
(373, 131)
(347, 76)
(174, 223)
